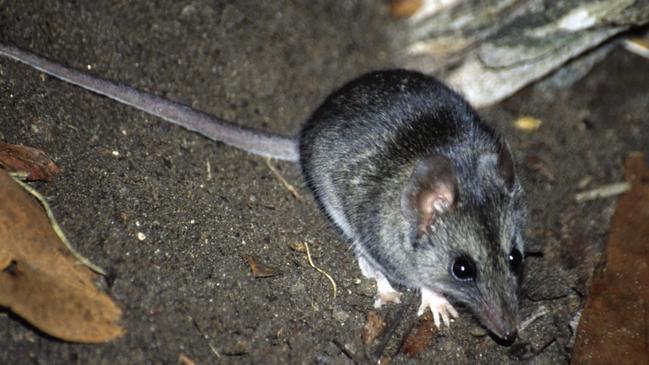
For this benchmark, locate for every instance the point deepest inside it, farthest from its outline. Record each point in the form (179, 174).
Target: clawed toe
(440, 308)
(393, 297)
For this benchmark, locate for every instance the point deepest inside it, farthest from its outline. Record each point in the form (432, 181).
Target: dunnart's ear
(430, 191)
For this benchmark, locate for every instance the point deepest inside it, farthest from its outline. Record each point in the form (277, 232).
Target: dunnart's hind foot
(385, 293)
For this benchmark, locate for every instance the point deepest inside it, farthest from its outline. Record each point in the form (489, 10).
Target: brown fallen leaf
(260, 270)
(614, 322)
(373, 328)
(420, 336)
(42, 281)
(536, 164)
(185, 360)
(637, 45)
(400, 9)
(34, 162)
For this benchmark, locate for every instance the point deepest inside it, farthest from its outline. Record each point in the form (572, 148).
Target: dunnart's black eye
(515, 259)
(463, 268)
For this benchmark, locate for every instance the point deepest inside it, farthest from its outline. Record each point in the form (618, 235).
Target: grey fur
(357, 153)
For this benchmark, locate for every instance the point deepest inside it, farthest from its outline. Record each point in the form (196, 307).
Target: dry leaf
(41, 280)
(19, 158)
(614, 323)
(260, 270)
(637, 45)
(527, 124)
(373, 328)
(404, 8)
(420, 336)
(536, 164)
(185, 360)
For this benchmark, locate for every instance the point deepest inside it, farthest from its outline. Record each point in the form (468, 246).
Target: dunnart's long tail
(248, 139)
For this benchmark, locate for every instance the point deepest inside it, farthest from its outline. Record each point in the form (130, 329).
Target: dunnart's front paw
(439, 307)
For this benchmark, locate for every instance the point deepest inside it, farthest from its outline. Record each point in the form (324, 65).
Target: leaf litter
(41, 278)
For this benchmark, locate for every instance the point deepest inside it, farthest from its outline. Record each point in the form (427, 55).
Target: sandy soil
(204, 207)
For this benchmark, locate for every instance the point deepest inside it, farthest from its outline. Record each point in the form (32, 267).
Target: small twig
(346, 352)
(206, 338)
(538, 313)
(55, 226)
(394, 323)
(605, 191)
(308, 256)
(208, 167)
(291, 189)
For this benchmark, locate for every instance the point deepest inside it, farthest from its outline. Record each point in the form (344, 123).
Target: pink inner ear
(444, 198)
(431, 190)
(432, 202)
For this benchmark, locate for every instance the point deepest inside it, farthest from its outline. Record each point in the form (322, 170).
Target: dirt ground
(203, 207)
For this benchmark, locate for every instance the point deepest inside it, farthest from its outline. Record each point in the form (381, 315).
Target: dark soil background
(203, 207)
